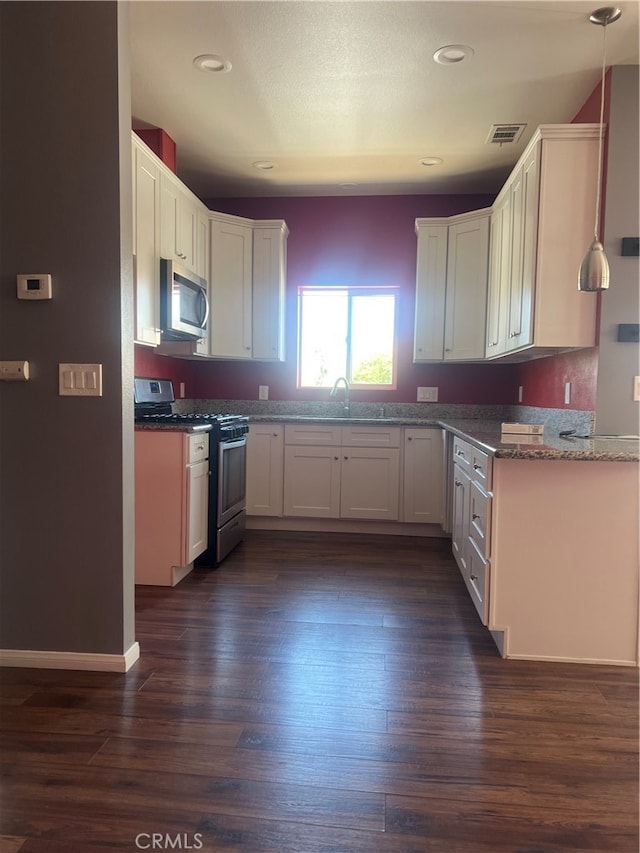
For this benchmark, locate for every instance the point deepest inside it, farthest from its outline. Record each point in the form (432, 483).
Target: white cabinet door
(423, 483)
(467, 262)
(312, 481)
(431, 283)
(197, 505)
(177, 222)
(265, 474)
(526, 223)
(230, 285)
(498, 285)
(202, 243)
(460, 531)
(269, 279)
(369, 483)
(146, 224)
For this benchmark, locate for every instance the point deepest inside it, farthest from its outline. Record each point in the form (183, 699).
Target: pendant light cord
(599, 185)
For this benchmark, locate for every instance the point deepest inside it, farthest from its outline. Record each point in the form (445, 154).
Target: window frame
(351, 291)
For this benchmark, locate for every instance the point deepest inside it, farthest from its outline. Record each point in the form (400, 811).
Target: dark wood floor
(321, 694)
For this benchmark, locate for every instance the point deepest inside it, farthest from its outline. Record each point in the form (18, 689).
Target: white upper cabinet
(542, 225)
(465, 312)
(230, 286)
(247, 287)
(451, 287)
(146, 242)
(268, 296)
(431, 286)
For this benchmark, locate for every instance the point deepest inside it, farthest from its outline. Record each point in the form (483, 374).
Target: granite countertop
(486, 434)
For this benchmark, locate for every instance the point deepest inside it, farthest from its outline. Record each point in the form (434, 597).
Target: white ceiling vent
(503, 134)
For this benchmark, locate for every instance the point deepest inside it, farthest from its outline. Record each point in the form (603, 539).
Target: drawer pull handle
(458, 483)
(475, 516)
(474, 577)
(477, 467)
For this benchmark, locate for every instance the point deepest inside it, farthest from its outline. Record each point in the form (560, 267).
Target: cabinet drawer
(462, 453)
(481, 467)
(478, 581)
(197, 447)
(370, 436)
(480, 519)
(316, 434)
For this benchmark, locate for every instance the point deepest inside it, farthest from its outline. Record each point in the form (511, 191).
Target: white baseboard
(70, 660)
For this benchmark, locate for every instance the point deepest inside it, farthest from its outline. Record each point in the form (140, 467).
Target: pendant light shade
(594, 269)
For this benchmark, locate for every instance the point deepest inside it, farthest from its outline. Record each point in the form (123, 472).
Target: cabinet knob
(458, 483)
(474, 577)
(409, 438)
(336, 458)
(514, 334)
(447, 349)
(477, 467)
(475, 515)
(346, 457)
(275, 434)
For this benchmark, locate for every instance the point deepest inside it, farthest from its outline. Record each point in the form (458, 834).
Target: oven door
(232, 478)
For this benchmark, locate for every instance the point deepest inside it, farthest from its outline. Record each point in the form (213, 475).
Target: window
(347, 331)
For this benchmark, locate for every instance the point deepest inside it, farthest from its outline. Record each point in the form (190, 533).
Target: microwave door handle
(204, 308)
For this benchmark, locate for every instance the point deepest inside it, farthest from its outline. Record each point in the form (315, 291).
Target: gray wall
(66, 475)
(616, 412)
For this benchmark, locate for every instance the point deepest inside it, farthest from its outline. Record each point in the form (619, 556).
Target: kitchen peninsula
(545, 534)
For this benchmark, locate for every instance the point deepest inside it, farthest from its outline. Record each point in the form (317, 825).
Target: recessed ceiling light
(431, 161)
(264, 165)
(451, 54)
(212, 62)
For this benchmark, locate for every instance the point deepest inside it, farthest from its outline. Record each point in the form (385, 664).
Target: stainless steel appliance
(184, 306)
(227, 462)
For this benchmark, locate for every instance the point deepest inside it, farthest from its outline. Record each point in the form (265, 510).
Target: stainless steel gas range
(154, 400)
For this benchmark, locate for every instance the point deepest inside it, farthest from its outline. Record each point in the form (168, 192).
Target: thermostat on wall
(35, 286)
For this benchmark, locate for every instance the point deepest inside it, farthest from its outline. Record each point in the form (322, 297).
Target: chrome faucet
(346, 409)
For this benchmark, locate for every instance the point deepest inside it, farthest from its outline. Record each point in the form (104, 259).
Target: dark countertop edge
(487, 438)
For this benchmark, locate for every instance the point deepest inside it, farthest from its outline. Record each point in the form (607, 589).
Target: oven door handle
(230, 443)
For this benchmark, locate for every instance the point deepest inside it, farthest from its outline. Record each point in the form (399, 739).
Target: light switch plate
(80, 380)
(636, 389)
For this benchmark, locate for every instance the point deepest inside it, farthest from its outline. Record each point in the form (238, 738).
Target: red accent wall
(364, 240)
(543, 380)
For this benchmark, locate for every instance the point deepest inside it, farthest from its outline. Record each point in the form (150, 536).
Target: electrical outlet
(182, 390)
(520, 389)
(427, 395)
(636, 389)
(567, 393)
(263, 392)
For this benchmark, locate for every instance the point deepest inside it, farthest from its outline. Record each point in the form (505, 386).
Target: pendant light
(594, 270)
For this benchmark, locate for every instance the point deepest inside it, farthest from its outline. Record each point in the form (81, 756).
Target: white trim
(339, 525)
(70, 660)
(554, 659)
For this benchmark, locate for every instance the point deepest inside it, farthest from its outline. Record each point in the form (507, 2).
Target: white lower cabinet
(172, 502)
(549, 581)
(422, 480)
(470, 537)
(265, 474)
(357, 476)
(312, 481)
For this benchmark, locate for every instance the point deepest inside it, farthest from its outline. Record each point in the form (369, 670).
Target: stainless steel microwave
(184, 306)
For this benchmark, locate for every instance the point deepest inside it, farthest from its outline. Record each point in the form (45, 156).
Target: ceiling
(342, 93)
